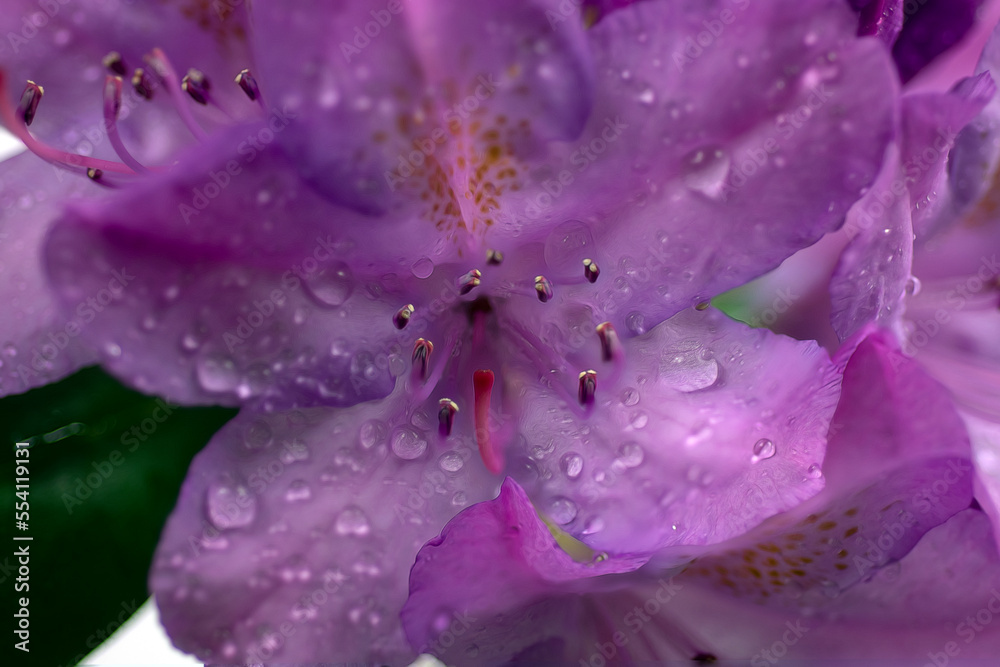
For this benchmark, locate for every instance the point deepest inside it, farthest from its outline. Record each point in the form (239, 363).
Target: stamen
(14, 121)
(446, 416)
(97, 176)
(142, 83)
(588, 387)
(249, 85)
(494, 257)
(702, 305)
(115, 63)
(161, 65)
(591, 270)
(470, 281)
(483, 384)
(196, 85)
(705, 659)
(610, 344)
(112, 106)
(402, 316)
(543, 288)
(30, 99)
(422, 349)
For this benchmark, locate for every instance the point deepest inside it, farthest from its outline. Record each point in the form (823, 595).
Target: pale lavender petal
(38, 344)
(523, 608)
(898, 464)
(703, 430)
(702, 167)
(869, 283)
(294, 533)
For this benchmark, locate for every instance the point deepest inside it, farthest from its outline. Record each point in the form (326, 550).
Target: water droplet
(112, 350)
(630, 454)
(810, 38)
(230, 505)
(372, 433)
(571, 464)
(814, 471)
(423, 268)
(638, 420)
(742, 61)
(562, 510)
(258, 435)
(217, 374)
(407, 444)
(472, 650)
(298, 491)
(687, 370)
(913, 286)
(763, 449)
(451, 461)
(352, 521)
(331, 285)
(630, 397)
(567, 246)
(636, 323)
(593, 525)
(705, 170)
(647, 96)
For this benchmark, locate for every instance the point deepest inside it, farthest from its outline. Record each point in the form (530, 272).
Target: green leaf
(105, 467)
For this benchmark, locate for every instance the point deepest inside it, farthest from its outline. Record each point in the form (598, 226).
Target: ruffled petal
(294, 533)
(39, 344)
(869, 283)
(700, 430)
(898, 464)
(524, 608)
(936, 606)
(704, 166)
(930, 123)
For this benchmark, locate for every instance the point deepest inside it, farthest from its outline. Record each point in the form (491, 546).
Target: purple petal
(931, 122)
(222, 306)
(294, 533)
(706, 428)
(920, 611)
(464, 617)
(869, 283)
(39, 345)
(699, 172)
(898, 464)
(881, 18)
(932, 29)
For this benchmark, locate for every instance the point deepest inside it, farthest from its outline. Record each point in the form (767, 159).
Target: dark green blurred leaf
(106, 464)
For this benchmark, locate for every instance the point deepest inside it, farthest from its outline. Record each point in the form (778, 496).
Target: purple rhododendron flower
(453, 262)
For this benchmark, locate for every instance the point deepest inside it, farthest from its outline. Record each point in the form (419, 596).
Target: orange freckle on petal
(850, 531)
(840, 566)
(827, 525)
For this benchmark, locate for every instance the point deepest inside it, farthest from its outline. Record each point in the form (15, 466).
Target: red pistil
(483, 384)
